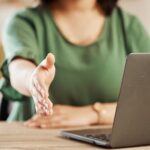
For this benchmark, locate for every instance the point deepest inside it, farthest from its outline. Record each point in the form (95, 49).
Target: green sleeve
(138, 37)
(19, 40)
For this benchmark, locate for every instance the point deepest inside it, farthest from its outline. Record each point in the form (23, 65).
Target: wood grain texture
(14, 136)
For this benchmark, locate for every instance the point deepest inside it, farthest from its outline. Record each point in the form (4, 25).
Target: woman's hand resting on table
(39, 83)
(70, 116)
(65, 116)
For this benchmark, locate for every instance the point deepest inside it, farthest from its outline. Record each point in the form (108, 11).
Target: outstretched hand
(39, 84)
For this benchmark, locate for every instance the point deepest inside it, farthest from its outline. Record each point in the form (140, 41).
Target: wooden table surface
(14, 136)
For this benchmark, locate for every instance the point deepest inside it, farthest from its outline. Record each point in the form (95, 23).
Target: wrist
(105, 112)
(99, 109)
(92, 115)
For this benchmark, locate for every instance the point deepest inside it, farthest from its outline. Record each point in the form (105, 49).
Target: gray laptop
(131, 125)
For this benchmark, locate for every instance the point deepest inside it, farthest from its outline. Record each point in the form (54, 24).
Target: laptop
(131, 125)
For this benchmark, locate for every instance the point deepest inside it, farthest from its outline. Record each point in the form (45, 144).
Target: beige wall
(5, 11)
(141, 8)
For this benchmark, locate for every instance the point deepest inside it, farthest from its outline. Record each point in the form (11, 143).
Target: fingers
(59, 119)
(56, 122)
(48, 109)
(40, 82)
(42, 103)
(41, 90)
(49, 61)
(39, 121)
(37, 97)
(34, 122)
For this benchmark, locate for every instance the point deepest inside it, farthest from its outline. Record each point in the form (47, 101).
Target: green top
(84, 74)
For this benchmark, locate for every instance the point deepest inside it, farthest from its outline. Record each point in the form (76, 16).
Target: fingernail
(46, 110)
(46, 105)
(43, 93)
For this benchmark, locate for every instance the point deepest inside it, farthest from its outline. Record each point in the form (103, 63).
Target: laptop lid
(132, 120)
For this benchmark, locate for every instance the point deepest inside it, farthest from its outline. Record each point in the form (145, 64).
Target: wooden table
(14, 136)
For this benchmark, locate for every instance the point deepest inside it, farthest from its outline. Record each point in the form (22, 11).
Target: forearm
(20, 71)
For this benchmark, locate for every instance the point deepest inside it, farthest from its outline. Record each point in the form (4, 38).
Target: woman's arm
(70, 116)
(105, 112)
(20, 71)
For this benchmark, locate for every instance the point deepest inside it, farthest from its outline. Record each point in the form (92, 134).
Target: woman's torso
(85, 74)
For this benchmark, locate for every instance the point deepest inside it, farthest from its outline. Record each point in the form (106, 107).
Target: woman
(90, 40)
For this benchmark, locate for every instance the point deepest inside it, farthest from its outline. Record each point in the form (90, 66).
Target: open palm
(40, 81)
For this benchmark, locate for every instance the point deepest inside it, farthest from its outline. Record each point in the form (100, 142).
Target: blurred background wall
(140, 8)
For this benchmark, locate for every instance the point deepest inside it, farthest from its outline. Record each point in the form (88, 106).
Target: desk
(14, 136)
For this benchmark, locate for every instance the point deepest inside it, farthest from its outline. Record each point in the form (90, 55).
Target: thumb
(49, 61)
